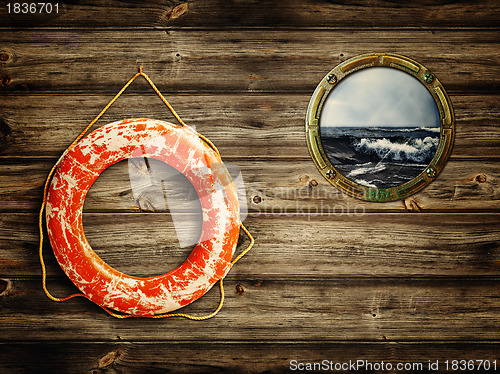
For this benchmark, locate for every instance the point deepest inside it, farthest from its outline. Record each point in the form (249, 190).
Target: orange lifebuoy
(179, 147)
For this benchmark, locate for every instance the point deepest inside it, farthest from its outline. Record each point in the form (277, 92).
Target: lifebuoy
(179, 147)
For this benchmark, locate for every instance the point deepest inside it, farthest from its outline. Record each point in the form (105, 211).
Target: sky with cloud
(380, 97)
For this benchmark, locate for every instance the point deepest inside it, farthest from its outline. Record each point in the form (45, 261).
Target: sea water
(380, 157)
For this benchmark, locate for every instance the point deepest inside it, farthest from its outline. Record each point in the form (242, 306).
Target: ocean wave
(431, 129)
(417, 149)
(365, 183)
(399, 129)
(369, 167)
(409, 129)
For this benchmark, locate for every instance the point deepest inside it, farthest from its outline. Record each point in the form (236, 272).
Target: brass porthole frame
(446, 138)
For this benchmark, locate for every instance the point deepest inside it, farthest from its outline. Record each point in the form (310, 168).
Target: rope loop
(44, 202)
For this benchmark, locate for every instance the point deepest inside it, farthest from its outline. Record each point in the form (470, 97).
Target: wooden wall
(407, 281)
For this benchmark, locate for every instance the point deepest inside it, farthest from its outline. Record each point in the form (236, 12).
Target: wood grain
(276, 14)
(241, 357)
(243, 126)
(288, 246)
(232, 61)
(407, 281)
(322, 310)
(276, 185)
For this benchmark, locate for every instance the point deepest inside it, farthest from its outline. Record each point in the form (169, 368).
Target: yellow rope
(44, 203)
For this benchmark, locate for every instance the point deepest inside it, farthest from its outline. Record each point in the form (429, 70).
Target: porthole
(380, 127)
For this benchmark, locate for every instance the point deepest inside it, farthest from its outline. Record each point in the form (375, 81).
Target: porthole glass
(380, 127)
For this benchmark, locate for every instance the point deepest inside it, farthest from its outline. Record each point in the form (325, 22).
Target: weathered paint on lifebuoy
(179, 147)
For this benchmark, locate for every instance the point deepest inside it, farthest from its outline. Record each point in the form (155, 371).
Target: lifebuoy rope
(44, 202)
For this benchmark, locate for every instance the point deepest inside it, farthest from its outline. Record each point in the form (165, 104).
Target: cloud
(380, 97)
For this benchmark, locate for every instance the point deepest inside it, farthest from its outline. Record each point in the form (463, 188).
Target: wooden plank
(229, 60)
(388, 284)
(290, 13)
(288, 246)
(321, 310)
(275, 185)
(222, 357)
(243, 126)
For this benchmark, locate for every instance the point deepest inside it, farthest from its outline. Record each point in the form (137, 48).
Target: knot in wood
(239, 289)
